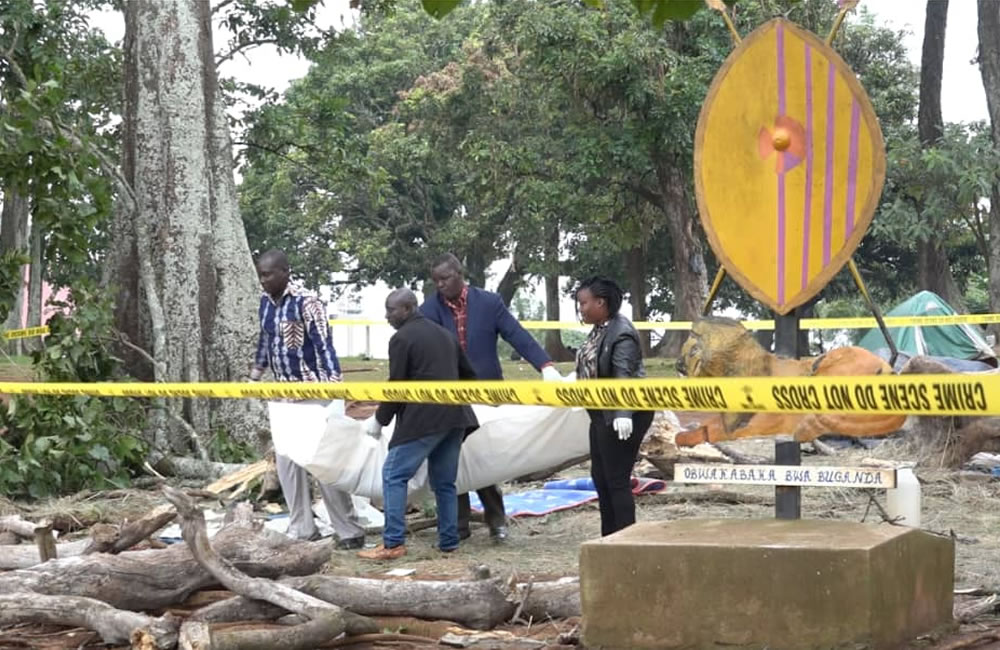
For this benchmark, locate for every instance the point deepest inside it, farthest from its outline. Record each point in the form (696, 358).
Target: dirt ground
(962, 505)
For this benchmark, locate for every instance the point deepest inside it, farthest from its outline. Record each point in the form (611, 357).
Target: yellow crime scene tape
(908, 394)
(26, 333)
(806, 323)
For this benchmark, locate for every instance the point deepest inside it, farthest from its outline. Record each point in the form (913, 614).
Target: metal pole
(787, 498)
(719, 277)
(873, 308)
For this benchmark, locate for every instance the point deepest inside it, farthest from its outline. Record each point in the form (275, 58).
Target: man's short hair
(451, 260)
(276, 256)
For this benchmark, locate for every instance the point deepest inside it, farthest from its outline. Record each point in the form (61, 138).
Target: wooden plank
(244, 475)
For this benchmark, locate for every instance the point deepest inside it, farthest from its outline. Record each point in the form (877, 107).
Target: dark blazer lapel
(447, 319)
(471, 307)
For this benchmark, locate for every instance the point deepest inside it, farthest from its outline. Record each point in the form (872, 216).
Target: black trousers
(492, 499)
(611, 462)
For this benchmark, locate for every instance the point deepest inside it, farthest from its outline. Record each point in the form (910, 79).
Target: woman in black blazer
(612, 350)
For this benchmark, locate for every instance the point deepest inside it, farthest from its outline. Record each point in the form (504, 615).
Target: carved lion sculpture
(722, 347)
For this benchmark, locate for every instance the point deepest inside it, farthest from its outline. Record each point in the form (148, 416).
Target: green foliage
(223, 448)
(56, 444)
(60, 82)
(440, 8)
(523, 127)
(11, 280)
(658, 11)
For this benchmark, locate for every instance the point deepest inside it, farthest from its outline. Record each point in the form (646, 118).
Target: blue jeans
(440, 450)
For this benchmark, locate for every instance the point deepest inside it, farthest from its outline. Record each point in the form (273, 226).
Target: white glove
(549, 373)
(373, 428)
(570, 377)
(335, 409)
(623, 426)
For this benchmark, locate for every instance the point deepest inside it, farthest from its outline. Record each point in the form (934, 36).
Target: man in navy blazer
(477, 317)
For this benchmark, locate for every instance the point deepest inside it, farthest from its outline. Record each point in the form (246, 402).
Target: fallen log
(22, 556)
(968, 612)
(110, 539)
(185, 467)
(549, 599)
(20, 527)
(196, 635)
(154, 579)
(477, 604)
(327, 621)
(115, 626)
(104, 539)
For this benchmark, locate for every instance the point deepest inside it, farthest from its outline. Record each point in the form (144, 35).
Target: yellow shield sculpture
(789, 164)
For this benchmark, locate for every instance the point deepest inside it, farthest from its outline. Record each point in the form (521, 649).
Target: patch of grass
(356, 369)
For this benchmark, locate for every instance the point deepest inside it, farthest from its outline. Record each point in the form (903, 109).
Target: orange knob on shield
(781, 138)
(788, 140)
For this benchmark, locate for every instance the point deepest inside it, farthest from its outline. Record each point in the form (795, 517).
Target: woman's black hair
(604, 288)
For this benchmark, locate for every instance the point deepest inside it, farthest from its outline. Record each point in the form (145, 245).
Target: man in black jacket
(420, 350)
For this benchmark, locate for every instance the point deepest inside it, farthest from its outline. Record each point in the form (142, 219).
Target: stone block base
(764, 583)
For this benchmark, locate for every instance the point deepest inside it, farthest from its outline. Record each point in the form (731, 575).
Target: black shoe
(464, 534)
(498, 534)
(351, 544)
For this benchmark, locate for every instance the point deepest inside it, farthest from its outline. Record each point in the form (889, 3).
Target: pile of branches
(99, 584)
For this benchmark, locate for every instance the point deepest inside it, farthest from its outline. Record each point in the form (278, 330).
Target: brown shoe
(380, 552)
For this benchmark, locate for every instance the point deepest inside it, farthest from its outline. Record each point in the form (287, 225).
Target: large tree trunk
(930, 124)
(934, 273)
(690, 282)
(989, 66)
(13, 238)
(933, 267)
(635, 270)
(553, 338)
(35, 279)
(184, 229)
(511, 281)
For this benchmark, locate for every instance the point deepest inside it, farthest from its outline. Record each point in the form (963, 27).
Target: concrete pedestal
(764, 583)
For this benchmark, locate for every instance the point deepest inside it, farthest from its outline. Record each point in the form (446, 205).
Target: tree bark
(690, 282)
(154, 579)
(511, 281)
(20, 527)
(933, 267)
(35, 280)
(930, 124)
(326, 621)
(14, 238)
(176, 155)
(115, 626)
(635, 270)
(989, 67)
(111, 539)
(478, 604)
(554, 346)
(23, 556)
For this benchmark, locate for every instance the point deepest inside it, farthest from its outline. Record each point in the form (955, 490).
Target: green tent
(956, 341)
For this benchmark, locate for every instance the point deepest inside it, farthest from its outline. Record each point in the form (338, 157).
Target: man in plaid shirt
(295, 343)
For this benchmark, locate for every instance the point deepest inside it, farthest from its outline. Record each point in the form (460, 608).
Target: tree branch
(219, 60)
(283, 156)
(655, 198)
